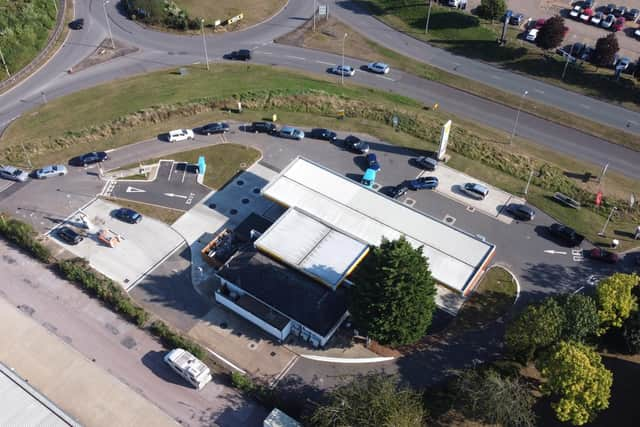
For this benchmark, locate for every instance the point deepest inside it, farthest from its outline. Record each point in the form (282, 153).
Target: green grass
(254, 11)
(24, 29)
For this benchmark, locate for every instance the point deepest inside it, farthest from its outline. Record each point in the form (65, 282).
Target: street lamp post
(5, 64)
(342, 70)
(204, 43)
(515, 123)
(566, 64)
(314, 15)
(106, 18)
(604, 227)
(426, 27)
(526, 188)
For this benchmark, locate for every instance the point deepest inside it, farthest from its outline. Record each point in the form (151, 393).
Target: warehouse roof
(455, 257)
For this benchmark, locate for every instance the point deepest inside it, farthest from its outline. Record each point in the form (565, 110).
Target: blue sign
(202, 165)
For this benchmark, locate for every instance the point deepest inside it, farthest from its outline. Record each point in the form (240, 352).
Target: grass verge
(23, 235)
(254, 11)
(326, 39)
(166, 215)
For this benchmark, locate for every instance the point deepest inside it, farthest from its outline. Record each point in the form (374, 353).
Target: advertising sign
(444, 140)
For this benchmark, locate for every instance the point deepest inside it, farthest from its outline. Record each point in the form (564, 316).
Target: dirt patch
(103, 53)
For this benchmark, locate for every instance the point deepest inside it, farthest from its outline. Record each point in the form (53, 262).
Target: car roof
(369, 174)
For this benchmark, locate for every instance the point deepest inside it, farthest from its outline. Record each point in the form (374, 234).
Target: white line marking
(538, 90)
(265, 53)
(134, 190)
(586, 107)
(578, 290)
(347, 359)
(175, 195)
(284, 371)
(184, 173)
(493, 76)
(323, 62)
(295, 57)
(553, 252)
(225, 361)
(195, 63)
(170, 171)
(386, 78)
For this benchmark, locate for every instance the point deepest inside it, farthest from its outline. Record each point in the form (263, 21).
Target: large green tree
(393, 297)
(577, 381)
(537, 327)
(615, 299)
(551, 33)
(371, 401)
(492, 9)
(605, 51)
(581, 319)
(631, 332)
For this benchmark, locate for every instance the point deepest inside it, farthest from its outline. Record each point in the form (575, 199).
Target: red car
(618, 25)
(599, 254)
(539, 23)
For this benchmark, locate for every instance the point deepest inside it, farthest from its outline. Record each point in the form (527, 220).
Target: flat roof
(286, 290)
(455, 257)
(313, 247)
(277, 418)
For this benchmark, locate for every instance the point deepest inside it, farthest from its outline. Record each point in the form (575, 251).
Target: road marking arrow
(175, 195)
(552, 252)
(135, 190)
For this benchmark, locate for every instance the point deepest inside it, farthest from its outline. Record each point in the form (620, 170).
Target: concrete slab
(144, 245)
(493, 205)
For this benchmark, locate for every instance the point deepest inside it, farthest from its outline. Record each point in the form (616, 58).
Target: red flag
(599, 198)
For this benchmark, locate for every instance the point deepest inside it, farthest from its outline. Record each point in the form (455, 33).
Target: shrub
(23, 235)
(242, 382)
(172, 339)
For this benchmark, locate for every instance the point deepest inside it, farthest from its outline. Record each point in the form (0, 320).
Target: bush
(242, 382)
(78, 271)
(23, 235)
(172, 339)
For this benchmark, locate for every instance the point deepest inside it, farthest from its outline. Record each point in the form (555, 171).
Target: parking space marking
(387, 78)
(170, 171)
(184, 172)
(5, 184)
(295, 57)
(577, 255)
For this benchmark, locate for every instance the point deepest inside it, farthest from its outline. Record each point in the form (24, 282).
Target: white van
(188, 367)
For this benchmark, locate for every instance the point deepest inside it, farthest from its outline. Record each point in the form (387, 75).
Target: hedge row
(172, 339)
(23, 235)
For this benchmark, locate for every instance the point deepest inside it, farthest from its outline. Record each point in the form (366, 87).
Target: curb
(347, 360)
(513, 276)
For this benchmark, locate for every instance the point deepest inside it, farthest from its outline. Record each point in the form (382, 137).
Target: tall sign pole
(426, 27)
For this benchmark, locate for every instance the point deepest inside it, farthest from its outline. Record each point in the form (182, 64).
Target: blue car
(369, 178)
(372, 162)
(424, 183)
(127, 215)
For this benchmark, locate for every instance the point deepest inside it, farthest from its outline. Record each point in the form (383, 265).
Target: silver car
(52, 170)
(378, 67)
(291, 133)
(13, 173)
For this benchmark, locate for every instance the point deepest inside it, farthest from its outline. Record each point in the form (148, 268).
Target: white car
(180, 135)
(12, 173)
(532, 34)
(345, 70)
(53, 170)
(597, 18)
(378, 67)
(575, 12)
(637, 33)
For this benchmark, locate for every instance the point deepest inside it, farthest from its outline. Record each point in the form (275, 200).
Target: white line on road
(184, 173)
(175, 195)
(265, 53)
(134, 190)
(585, 106)
(295, 57)
(578, 290)
(553, 252)
(170, 170)
(225, 361)
(493, 76)
(323, 62)
(538, 90)
(386, 78)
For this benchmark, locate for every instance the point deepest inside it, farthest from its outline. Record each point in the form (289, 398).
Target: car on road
(52, 170)
(607, 21)
(89, 158)
(321, 133)
(13, 173)
(423, 183)
(127, 215)
(632, 15)
(618, 24)
(586, 15)
(356, 145)
(597, 18)
(532, 35)
(475, 191)
(378, 67)
(178, 135)
(369, 178)
(212, 128)
(565, 234)
(575, 12)
(426, 163)
(599, 254)
(291, 133)
(77, 24)
(263, 127)
(397, 191)
(344, 70)
(240, 55)
(69, 235)
(521, 212)
(372, 162)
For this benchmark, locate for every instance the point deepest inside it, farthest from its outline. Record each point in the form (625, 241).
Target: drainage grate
(256, 190)
(449, 219)
(471, 209)
(212, 205)
(245, 201)
(233, 211)
(409, 202)
(252, 346)
(240, 182)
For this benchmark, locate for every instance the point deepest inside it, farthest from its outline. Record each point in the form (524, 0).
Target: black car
(426, 163)
(263, 127)
(588, 4)
(521, 212)
(69, 236)
(77, 24)
(89, 158)
(619, 11)
(632, 15)
(212, 128)
(609, 9)
(324, 134)
(355, 144)
(566, 235)
(127, 215)
(241, 55)
(397, 191)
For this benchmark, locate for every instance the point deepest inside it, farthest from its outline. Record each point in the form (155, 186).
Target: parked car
(77, 24)
(532, 35)
(575, 12)
(637, 33)
(623, 63)
(507, 14)
(378, 67)
(321, 133)
(355, 144)
(522, 212)
(398, 191)
(69, 235)
(263, 127)
(89, 158)
(587, 53)
(240, 55)
(600, 254)
(566, 235)
(369, 178)
(52, 170)
(212, 128)
(178, 135)
(475, 191)
(538, 23)
(619, 11)
(291, 133)
(618, 25)
(426, 163)
(343, 70)
(608, 21)
(127, 215)
(372, 162)
(13, 173)
(586, 15)
(632, 15)
(597, 18)
(516, 19)
(423, 183)
(608, 9)
(588, 4)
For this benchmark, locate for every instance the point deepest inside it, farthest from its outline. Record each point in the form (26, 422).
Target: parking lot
(175, 186)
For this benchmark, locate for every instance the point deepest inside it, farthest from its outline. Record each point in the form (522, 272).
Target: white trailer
(188, 367)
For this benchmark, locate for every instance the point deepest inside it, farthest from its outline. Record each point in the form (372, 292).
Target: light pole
(314, 15)
(342, 70)
(426, 27)
(5, 64)
(106, 18)
(566, 64)
(526, 189)
(515, 123)
(604, 227)
(55, 5)
(204, 43)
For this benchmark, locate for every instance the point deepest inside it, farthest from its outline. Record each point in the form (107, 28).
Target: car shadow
(360, 162)
(164, 137)
(153, 360)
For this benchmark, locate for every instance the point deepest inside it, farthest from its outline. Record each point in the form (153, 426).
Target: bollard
(274, 118)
